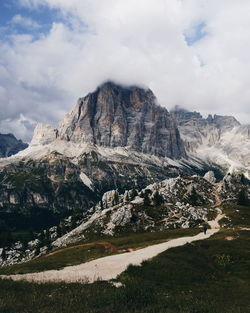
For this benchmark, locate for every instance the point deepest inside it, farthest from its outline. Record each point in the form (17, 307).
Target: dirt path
(110, 267)
(218, 200)
(106, 244)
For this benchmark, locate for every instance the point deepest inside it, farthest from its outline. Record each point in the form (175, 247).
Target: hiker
(205, 229)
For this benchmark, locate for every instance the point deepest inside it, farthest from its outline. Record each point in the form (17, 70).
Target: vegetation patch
(209, 276)
(80, 255)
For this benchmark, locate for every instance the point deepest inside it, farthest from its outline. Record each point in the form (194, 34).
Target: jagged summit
(221, 139)
(220, 121)
(118, 116)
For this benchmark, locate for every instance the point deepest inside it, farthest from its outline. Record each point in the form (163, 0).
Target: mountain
(115, 138)
(219, 138)
(116, 116)
(9, 145)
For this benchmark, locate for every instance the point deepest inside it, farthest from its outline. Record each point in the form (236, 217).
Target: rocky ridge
(167, 204)
(172, 203)
(219, 138)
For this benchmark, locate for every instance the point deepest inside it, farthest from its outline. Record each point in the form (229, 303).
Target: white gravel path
(110, 267)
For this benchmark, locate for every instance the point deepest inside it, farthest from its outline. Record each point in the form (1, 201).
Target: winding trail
(110, 267)
(106, 244)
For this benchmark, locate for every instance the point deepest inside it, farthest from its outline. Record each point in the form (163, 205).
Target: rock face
(221, 139)
(209, 176)
(43, 135)
(115, 116)
(9, 145)
(196, 130)
(40, 193)
(181, 203)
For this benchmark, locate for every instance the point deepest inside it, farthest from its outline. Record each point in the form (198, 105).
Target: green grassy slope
(210, 276)
(80, 255)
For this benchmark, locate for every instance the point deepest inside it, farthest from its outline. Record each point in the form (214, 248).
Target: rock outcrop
(9, 145)
(43, 135)
(220, 139)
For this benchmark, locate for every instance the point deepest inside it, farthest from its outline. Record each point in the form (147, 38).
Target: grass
(83, 254)
(142, 240)
(236, 216)
(210, 276)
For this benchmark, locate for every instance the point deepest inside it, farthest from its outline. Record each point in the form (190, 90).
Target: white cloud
(133, 42)
(23, 21)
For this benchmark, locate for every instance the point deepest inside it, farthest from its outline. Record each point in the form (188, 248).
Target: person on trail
(205, 229)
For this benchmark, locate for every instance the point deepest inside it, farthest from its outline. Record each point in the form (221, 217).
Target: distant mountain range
(9, 145)
(118, 121)
(221, 139)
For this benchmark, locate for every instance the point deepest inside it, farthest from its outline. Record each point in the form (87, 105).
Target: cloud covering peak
(190, 53)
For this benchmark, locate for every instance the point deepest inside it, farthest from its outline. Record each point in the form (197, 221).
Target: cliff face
(43, 135)
(9, 145)
(38, 194)
(114, 116)
(221, 139)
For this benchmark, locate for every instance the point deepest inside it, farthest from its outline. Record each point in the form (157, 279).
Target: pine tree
(58, 231)
(133, 194)
(116, 197)
(4, 254)
(142, 194)
(73, 222)
(243, 197)
(243, 179)
(146, 201)
(158, 199)
(24, 244)
(38, 248)
(127, 197)
(63, 229)
(47, 239)
(134, 218)
(193, 197)
(41, 238)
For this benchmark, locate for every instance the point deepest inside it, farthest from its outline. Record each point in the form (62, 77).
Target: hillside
(206, 276)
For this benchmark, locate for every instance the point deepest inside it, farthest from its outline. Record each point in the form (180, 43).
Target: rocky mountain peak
(118, 116)
(182, 114)
(222, 122)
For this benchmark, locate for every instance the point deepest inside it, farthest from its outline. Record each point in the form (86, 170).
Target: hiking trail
(109, 267)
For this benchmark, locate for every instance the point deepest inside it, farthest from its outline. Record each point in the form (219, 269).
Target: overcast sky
(192, 53)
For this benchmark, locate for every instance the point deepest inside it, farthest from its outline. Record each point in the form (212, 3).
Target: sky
(191, 53)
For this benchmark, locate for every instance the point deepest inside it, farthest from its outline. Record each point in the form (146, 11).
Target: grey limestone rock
(114, 116)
